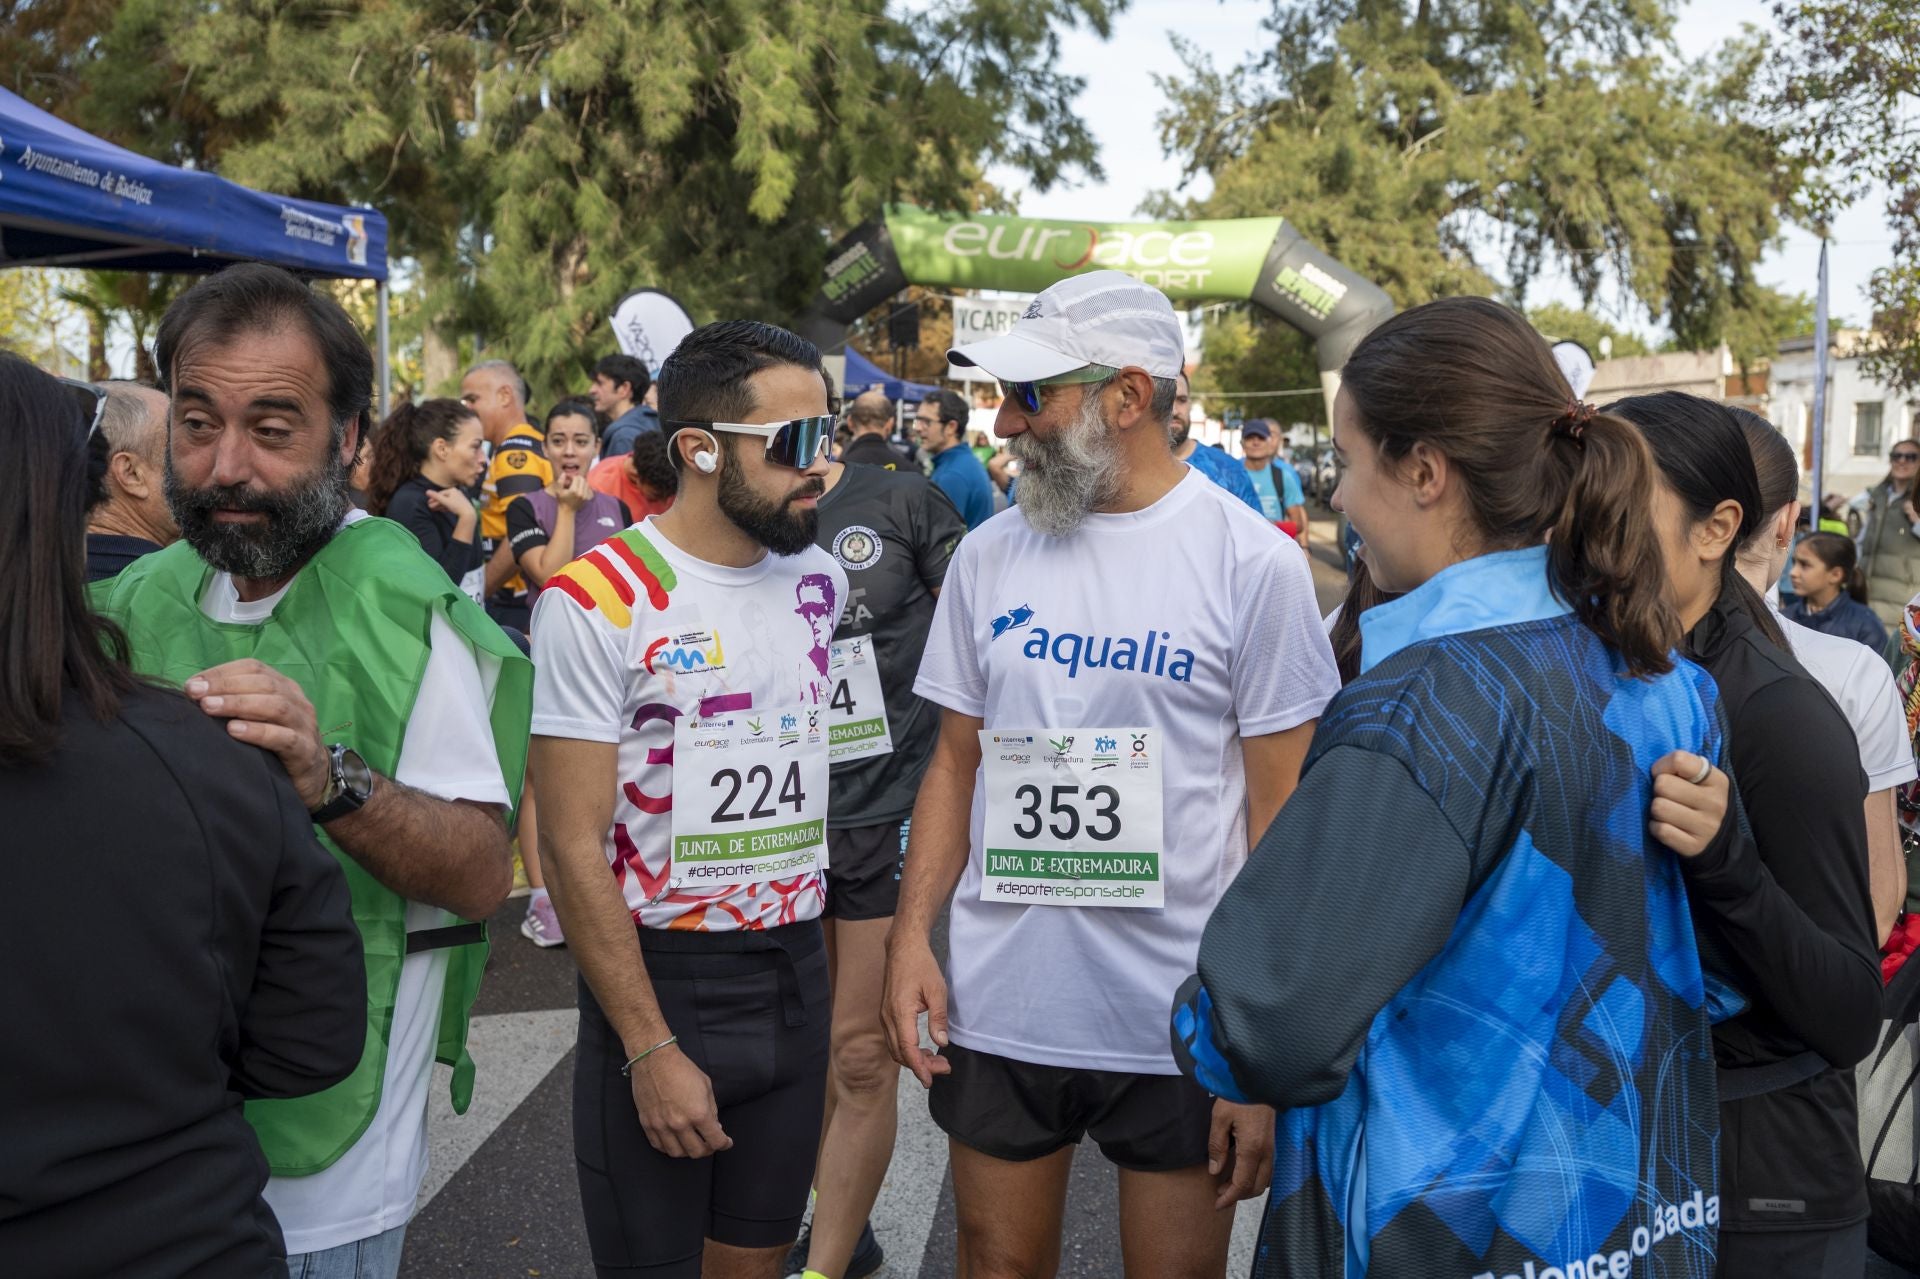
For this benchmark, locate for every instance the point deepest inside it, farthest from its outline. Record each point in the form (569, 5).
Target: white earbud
(705, 461)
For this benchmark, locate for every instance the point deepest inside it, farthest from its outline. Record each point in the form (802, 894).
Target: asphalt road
(501, 1200)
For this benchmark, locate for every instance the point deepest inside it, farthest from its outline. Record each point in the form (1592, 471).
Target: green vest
(353, 632)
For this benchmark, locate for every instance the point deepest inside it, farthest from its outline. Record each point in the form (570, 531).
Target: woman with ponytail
(425, 458)
(1783, 903)
(1461, 961)
(1832, 591)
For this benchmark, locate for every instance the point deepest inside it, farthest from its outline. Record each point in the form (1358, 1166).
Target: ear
(1714, 536)
(1427, 472)
(1135, 398)
(1783, 524)
(350, 443)
(130, 475)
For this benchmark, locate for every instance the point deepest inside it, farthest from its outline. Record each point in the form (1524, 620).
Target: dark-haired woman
(1832, 591)
(203, 952)
(426, 458)
(1889, 541)
(1785, 915)
(556, 525)
(1854, 676)
(1459, 962)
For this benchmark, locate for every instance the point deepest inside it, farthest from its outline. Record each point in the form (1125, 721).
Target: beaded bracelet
(638, 1057)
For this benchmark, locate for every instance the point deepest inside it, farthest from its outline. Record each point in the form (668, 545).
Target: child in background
(1831, 591)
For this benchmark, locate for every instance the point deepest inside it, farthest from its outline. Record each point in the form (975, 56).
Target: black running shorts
(863, 870)
(756, 1021)
(1015, 1110)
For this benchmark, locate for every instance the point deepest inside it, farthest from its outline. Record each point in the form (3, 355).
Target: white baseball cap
(1102, 317)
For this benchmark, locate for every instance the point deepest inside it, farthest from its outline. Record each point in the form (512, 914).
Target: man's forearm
(447, 853)
(600, 931)
(937, 847)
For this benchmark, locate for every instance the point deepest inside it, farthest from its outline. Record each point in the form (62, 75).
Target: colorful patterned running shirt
(634, 635)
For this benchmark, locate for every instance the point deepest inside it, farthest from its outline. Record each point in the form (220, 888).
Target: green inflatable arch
(1259, 260)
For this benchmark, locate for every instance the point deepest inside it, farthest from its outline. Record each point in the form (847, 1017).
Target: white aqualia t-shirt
(637, 634)
(1216, 611)
(448, 752)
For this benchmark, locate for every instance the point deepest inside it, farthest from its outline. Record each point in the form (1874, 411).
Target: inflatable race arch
(1259, 260)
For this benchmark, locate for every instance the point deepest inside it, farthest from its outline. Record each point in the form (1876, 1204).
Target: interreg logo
(686, 652)
(1151, 654)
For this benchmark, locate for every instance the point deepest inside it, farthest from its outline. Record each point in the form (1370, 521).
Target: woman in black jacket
(1782, 906)
(425, 458)
(183, 942)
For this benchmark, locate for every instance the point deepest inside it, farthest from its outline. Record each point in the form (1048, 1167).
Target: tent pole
(383, 337)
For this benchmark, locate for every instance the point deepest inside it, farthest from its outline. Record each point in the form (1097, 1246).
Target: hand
(1240, 1151)
(674, 1099)
(1686, 815)
(451, 499)
(572, 491)
(1913, 516)
(914, 985)
(264, 708)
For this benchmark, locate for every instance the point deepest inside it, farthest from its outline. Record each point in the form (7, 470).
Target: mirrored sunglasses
(795, 443)
(1027, 394)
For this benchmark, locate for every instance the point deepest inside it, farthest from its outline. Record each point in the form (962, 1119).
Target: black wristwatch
(349, 785)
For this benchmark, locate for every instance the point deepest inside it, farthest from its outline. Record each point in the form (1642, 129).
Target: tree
(1845, 81)
(1451, 146)
(538, 159)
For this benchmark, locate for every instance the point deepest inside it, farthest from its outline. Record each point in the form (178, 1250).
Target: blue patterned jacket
(1461, 968)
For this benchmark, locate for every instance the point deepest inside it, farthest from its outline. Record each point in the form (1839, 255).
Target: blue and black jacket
(1460, 966)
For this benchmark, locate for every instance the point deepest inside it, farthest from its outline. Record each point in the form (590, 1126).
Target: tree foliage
(537, 160)
(1846, 82)
(1460, 146)
(1559, 322)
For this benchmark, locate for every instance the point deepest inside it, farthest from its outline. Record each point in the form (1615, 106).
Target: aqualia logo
(1152, 654)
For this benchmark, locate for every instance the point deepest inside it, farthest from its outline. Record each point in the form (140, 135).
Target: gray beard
(1068, 475)
(299, 521)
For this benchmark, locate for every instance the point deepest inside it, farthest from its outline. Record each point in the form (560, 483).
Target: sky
(1121, 102)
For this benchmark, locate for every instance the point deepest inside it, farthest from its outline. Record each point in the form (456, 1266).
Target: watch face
(356, 774)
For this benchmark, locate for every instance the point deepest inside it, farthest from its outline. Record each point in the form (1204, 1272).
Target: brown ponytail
(404, 442)
(1473, 380)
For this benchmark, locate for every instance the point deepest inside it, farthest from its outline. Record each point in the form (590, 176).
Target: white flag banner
(648, 324)
(975, 320)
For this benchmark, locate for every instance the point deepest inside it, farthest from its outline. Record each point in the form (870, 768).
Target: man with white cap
(1129, 666)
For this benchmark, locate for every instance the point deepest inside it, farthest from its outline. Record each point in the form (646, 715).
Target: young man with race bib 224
(680, 702)
(1130, 666)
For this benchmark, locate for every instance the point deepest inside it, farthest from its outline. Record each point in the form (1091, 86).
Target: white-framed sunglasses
(795, 443)
(99, 399)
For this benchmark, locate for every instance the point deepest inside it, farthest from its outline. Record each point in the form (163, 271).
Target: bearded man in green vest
(398, 709)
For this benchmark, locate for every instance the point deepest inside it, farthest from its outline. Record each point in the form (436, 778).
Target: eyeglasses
(1905, 457)
(1027, 394)
(97, 400)
(795, 443)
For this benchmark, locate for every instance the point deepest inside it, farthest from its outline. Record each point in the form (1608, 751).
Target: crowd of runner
(1526, 917)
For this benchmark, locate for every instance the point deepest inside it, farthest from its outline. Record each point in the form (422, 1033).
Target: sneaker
(542, 926)
(521, 887)
(868, 1256)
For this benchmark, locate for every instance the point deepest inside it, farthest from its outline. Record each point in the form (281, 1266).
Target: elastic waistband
(796, 939)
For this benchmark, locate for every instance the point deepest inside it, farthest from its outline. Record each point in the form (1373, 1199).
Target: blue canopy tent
(68, 198)
(864, 375)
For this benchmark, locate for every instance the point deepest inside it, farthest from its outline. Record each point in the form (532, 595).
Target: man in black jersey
(893, 532)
